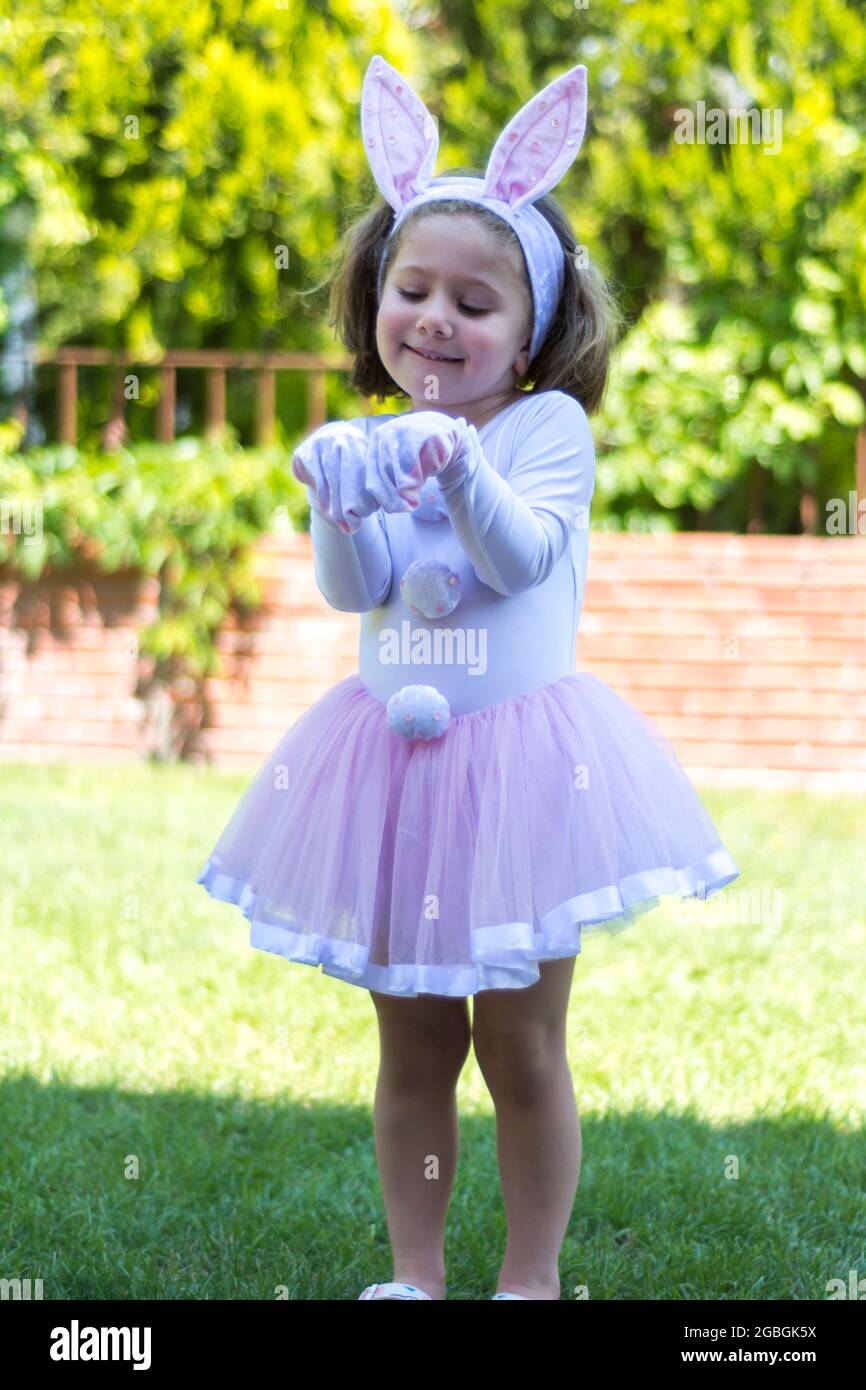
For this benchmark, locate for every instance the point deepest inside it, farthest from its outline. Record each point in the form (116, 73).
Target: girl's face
(455, 293)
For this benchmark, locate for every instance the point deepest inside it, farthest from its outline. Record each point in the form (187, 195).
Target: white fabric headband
(531, 155)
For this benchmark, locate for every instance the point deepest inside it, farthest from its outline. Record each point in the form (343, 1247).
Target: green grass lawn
(185, 1117)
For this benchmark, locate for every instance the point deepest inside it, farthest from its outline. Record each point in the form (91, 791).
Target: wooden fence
(215, 363)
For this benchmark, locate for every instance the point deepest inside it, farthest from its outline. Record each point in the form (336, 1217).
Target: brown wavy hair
(575, 354)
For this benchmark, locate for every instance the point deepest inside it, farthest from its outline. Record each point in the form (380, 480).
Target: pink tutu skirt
(456, 865)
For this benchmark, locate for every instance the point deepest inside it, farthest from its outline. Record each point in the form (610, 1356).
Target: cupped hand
(405, 452)
(332, 463)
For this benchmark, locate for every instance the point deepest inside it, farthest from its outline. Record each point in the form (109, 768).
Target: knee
(517, 1063)
(416, 1058)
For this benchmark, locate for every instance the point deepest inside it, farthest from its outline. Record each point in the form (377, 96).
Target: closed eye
(467, 308)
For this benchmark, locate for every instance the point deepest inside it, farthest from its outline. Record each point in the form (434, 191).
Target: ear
(521, 361)
(400, 136)
(540, 142)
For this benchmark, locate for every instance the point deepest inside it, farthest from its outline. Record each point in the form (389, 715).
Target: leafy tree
(195, 167)
(197, 160)
(742, 270)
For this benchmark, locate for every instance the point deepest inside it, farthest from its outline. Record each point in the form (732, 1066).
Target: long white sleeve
(514, 531)
(353, 572)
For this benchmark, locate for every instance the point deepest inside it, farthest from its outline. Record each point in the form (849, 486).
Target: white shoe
(509, 1295)
(409, 1292)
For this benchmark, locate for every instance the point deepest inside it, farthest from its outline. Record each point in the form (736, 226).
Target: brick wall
(748, 651)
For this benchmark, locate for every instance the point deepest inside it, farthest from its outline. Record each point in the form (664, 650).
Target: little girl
(449, 821)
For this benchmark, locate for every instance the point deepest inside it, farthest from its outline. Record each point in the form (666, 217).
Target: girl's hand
(405, 452)
(333, 465)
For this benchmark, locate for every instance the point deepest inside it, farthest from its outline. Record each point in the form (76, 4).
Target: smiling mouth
(431, 356)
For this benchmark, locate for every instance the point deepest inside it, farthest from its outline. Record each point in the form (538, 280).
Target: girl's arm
(515, 531)
(353, 572)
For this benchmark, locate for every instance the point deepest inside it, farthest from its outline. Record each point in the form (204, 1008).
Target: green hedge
(188, 513)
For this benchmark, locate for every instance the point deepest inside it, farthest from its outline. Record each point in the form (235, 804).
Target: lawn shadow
(118, 1195)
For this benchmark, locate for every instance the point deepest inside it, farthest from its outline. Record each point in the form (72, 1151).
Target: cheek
(393, 322)
(386, 328)
(487, 335)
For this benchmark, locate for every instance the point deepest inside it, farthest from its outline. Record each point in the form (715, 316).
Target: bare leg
(424, 1044)
(520, 1043)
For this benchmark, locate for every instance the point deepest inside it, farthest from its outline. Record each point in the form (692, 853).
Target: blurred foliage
(188, 513)
(192, 169)
(180, 155)
(741, 265)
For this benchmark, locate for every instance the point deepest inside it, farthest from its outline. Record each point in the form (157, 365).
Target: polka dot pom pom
(418, 711)
(430, 589)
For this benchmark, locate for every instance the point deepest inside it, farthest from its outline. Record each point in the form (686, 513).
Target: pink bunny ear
(400, 135)
(540, 142)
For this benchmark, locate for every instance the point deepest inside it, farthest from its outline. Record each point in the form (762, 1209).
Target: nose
(433, 317)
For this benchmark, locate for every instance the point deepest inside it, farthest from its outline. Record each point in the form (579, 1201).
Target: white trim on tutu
(504, 956)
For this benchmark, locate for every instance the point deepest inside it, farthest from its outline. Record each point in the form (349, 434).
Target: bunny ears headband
(531, 155)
